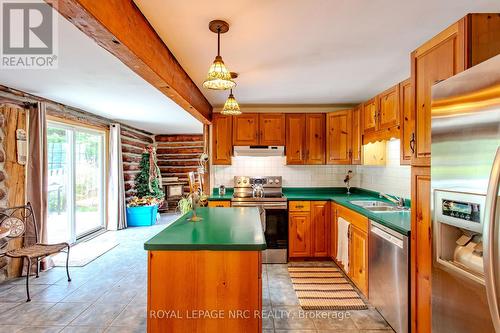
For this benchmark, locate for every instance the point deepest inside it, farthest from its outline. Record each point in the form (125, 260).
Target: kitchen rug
(324, 288)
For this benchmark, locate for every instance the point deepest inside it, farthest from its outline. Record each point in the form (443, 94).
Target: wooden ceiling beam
(120, 27)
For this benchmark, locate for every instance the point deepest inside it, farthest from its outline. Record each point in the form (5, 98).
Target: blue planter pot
(141, 216)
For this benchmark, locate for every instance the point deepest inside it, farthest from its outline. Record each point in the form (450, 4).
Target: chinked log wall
(177, 155)
(133, 144)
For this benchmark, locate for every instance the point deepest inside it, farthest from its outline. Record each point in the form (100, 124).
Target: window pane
(59, 175)
(88, 181)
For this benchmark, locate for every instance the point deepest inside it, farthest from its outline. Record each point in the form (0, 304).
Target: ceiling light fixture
(218, 77)
(231, 107)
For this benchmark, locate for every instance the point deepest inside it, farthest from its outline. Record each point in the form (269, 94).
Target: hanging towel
(343, 243)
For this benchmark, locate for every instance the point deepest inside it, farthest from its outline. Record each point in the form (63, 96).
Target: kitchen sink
(370, 203)
(379, 206)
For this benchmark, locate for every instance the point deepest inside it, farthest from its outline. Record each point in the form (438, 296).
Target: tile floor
(109, 295)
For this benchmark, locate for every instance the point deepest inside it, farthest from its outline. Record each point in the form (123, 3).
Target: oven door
(276, 233)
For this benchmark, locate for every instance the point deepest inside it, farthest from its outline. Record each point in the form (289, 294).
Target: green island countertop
(397, 221)
(222, 229)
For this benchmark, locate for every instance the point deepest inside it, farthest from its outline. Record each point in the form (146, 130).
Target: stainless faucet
(400, 201)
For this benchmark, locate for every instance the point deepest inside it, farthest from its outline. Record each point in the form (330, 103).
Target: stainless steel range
(266, 194)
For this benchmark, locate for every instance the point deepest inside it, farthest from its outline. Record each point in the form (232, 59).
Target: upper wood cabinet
(370, 112)
(305, 138)
(315, 138)
(406, 117)
(272, 129)
(320, 222)
(388, 110)
(246, 129)
(295, 138)
(357, 136)
(222, 147)
(471, 40)
(266, 129)
(339, 137)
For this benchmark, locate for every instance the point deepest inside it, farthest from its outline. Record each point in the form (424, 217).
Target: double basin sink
(377, 206)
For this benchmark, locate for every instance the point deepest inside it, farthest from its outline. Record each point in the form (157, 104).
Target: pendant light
(218, 77)
(231, 107)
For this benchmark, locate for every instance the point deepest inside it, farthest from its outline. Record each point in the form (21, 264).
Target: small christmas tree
(148, 182)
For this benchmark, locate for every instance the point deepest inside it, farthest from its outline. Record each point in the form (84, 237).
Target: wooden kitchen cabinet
(388, 110)
(299, 234)
(333, 232)
(315, 138)
(320, 221)
(358, 246)
(339, 137)
(358, 258)
(471, 40)
(305, 138)
(407, 134)
(370, 112)
(272, 129)
(222, 147)
(357, 136)
(421, 249)
(221, 203)
(246, 129)
(295, 138)
(309, 229)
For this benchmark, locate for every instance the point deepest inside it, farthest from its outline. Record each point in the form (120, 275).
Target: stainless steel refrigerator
(465, 171)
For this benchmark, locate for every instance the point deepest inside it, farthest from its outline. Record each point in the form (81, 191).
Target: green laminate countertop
(216, 197)
(397, 221)
(222, 229)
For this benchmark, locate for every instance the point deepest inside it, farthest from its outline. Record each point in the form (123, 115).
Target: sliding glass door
(76, 187)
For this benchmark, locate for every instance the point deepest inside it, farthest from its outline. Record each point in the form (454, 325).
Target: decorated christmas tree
(148, 181)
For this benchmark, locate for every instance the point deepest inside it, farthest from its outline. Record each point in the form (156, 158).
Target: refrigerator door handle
(491, 242)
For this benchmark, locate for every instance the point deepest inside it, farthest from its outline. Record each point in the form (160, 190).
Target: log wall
(133, 144)
(177, 155)
(12, 175)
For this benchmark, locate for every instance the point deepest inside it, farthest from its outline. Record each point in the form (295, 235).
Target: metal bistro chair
(17, 220)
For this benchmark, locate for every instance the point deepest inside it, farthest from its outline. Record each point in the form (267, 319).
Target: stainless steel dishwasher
(389, 275)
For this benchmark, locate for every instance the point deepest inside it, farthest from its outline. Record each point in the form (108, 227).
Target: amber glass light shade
(219, 78)
(231, 107)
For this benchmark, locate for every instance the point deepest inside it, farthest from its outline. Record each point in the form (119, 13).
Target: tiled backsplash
(393, 178)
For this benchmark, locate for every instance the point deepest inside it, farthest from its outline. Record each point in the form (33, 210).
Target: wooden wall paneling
(315, 138)
(137, 45)
(357, 136)
(246, 129)
(12, 175)
(339, 137)
(407, 134)
(222, 137)
(295, 138)
(272, 129)
(177, 155)
(421, 250)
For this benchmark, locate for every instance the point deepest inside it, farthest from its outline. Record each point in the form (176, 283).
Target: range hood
(259, 150)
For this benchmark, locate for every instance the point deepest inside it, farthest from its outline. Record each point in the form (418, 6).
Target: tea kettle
(258, 191)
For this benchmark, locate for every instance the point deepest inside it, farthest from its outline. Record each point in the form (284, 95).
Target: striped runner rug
(324, 288)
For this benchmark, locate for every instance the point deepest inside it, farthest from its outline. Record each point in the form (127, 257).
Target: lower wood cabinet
(309, 228)
(221, 203)
(358, 246)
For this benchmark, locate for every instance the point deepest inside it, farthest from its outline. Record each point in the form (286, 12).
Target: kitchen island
(206, 276)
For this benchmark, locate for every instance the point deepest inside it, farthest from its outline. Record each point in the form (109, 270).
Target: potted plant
(142, 210)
